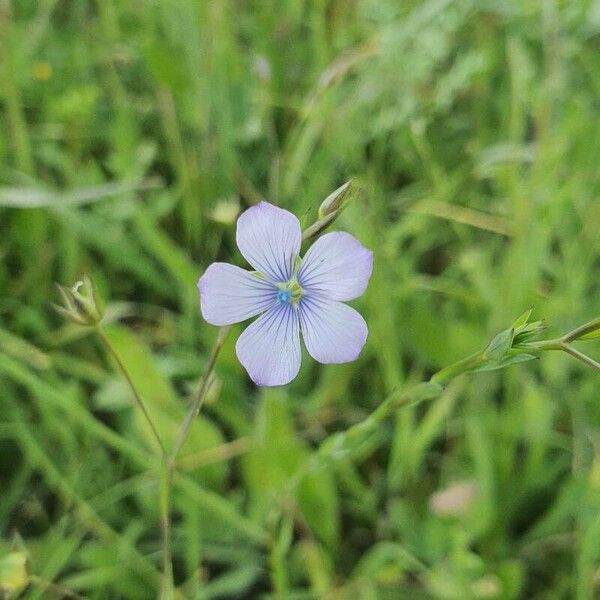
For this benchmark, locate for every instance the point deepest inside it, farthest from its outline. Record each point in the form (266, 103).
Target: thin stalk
(166, 485)
(318, 226)
(139, 401)
(586, 360)
(544, 345)
(199, 398)
(582, 330)
(443, 376)
(563, 345)
(169, 465)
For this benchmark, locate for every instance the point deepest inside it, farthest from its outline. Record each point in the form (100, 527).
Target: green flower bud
(80, 303)
(14, 575)
(335, 202)
(329, 211)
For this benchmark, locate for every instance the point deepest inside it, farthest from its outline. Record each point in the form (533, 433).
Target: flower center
(284, 296)
(289, 292)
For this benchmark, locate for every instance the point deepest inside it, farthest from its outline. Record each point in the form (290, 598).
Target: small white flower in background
(226, 211)
(455, 500)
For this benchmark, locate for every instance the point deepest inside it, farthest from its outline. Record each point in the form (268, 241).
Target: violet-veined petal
(337, 266)
(229, 294)
(333, 332)
(269, 238)
(269, 348)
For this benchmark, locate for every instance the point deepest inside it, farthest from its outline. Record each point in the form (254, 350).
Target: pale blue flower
(290, 294)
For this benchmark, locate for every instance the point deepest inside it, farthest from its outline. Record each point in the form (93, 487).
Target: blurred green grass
(129, 133)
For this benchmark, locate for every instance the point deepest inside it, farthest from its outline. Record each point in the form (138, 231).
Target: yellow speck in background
(42, 71)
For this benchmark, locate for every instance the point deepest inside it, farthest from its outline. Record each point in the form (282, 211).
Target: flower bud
(329, 211)
(14, 576)
(334, 203)
(80, 303)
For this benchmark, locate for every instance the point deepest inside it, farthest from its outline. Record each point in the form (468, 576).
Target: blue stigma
(284, 296)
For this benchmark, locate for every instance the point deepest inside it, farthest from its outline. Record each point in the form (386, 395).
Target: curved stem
(139, 401)
(169, 464)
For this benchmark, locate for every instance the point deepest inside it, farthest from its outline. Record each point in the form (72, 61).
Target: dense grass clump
(132, 134)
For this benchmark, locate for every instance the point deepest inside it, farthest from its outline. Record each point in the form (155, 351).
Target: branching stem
(563, 345)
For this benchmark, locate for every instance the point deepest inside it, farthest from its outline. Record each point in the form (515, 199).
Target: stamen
(284, 296)
(289, 292)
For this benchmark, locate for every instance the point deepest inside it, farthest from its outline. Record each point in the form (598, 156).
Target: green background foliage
(130, 133)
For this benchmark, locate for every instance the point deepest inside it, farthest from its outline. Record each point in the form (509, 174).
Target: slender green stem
(586, 360)
(462, 366)
(579, 332)
(542, 346)
(563, 345)
(318, 226)
(140, 402)
(199, 398)
(166, 484)
(169, 465)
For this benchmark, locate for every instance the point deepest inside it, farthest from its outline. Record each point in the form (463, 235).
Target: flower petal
(269, 348)
(333, 332)
(269, 238)
(337, 266)
(229, 294)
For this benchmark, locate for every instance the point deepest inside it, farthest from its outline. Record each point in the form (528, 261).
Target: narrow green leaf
(494, 365)
(39, 198)
(500, 345)
(522, 320)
